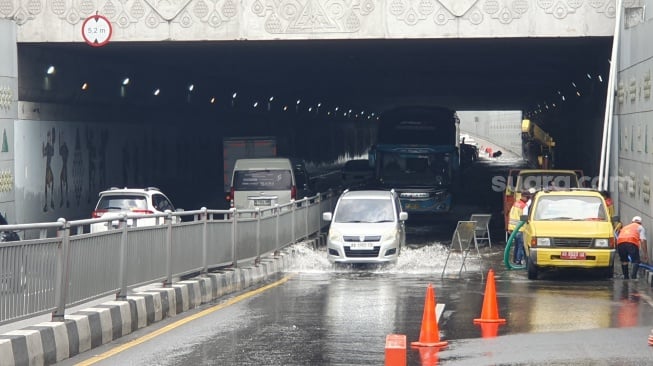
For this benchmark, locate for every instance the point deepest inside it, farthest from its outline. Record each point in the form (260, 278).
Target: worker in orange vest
(519, 208)
(631, 239)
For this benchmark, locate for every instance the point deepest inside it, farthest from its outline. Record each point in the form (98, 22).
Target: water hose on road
(506, 252)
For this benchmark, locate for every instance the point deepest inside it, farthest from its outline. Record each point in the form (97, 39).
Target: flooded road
(318, 315)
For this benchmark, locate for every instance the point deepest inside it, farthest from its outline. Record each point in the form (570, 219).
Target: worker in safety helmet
(631, 239)
(520, 207)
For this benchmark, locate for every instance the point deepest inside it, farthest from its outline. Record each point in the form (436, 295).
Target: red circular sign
(96, 30)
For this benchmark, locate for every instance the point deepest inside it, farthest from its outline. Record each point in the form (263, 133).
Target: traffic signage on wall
(96, 30)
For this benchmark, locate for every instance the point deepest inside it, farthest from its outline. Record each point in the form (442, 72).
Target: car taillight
(98, 213)
(293, 192)
(141, 211)
(230, 197)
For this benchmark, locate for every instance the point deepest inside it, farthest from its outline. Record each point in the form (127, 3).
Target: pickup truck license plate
(572, 255)
(262, 202)
(361, 245)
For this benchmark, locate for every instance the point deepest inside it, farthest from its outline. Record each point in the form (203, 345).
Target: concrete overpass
(550, 59)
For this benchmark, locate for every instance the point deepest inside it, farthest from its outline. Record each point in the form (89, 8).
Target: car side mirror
(326, 216)
(523, 218)
(403, 216)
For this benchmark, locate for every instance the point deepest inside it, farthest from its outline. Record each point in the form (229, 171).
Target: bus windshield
(426, 169)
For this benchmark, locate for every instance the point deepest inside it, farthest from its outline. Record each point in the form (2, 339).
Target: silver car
(366, 227)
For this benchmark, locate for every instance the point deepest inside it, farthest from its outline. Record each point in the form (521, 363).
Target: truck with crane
(537, 146)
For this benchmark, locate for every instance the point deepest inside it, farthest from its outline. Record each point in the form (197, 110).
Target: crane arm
(533, 132)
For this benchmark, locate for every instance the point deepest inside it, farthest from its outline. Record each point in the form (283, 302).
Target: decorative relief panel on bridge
(151, 20)
(6, 98)
(312, 16)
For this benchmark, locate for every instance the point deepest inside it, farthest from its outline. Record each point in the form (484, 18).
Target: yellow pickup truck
(569, 229)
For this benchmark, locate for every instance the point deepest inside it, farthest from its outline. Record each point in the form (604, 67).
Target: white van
(262, 183)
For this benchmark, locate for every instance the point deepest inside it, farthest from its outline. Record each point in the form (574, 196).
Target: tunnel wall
(632, 141)
(8, 113)
(65, 155)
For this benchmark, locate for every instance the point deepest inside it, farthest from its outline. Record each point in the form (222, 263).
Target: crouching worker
(631, 239)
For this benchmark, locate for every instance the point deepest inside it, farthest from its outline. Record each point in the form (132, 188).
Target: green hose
(506, 252)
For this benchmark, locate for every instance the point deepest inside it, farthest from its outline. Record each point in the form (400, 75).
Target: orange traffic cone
(429, 335)
(489, 330)
(490, 313)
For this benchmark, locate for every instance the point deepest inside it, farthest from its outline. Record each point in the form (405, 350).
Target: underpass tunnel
(320, 99)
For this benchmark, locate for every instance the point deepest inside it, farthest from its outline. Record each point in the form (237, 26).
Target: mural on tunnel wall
(62, 174)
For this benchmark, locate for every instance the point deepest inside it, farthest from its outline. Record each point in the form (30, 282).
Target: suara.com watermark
(553, 182)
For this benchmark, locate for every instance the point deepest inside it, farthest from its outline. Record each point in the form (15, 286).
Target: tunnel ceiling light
(212, 100)
(156, 92)
(600, 78)
(319, 105)
(255, 105)
(310, 109)
(285, 108)
(125, 81)
(578, 93)
(589, 76)
(271, 99)
(191, 87)
(563, 98)
(574, 84)
(85, 86)
(234, 95)
(337, 109)
(299, 101)
(51, 70)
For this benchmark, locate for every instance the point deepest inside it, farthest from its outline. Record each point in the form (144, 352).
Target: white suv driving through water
(367, 226)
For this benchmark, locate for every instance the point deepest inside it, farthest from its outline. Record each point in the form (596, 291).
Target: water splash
(424, 259)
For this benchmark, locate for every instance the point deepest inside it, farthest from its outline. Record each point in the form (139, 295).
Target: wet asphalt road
(322, 316)
(319, 315)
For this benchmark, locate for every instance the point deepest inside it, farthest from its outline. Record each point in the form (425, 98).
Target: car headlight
(392, 235)
(601, 243)
(335, 236)
(543, 242)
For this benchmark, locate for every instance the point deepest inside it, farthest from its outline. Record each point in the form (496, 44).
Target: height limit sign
(96, 30)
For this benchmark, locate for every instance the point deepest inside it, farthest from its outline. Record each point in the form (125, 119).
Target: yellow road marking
(181, 322)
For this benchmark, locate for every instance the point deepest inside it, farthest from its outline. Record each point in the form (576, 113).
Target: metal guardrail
(65, 265)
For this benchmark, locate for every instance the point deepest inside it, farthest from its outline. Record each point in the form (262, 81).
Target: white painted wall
(8, 113)
(632, 172)
(137, 20)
